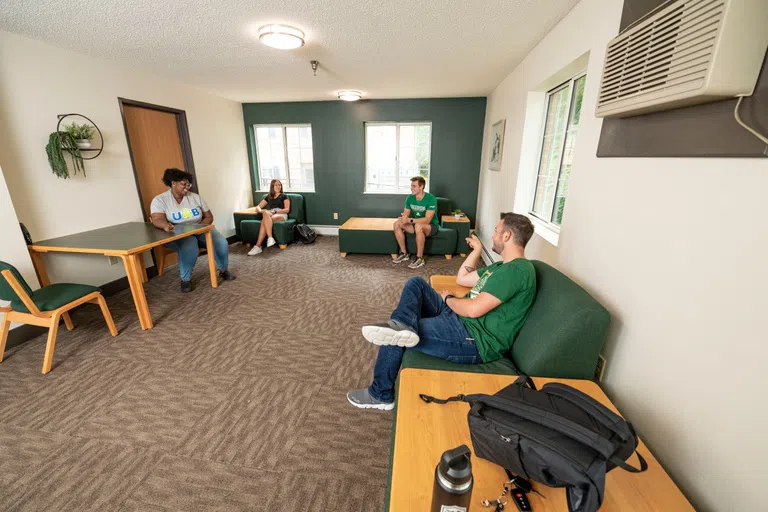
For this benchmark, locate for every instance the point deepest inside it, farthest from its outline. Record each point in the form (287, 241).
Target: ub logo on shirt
(186, 213)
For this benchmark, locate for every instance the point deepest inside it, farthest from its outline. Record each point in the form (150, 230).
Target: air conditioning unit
(683, 53)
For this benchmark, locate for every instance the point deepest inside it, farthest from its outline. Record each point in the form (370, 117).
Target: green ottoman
(366, 235)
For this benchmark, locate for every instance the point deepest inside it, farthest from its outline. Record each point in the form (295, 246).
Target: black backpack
(304, 233)
(557, 436)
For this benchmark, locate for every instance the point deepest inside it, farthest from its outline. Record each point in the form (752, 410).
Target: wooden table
(127, 241)
(461, 225)
(440, 283)
(424, 431)
(369, 224)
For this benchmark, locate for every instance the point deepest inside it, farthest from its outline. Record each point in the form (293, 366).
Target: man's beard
(497, 248)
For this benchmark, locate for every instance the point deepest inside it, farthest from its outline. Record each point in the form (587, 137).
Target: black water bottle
(453, 481)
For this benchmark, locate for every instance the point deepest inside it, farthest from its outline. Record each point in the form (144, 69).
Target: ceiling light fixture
(281, 37)
(350, 95)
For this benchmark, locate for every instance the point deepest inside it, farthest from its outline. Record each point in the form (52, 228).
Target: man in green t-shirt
(478, 328)
(418, 217)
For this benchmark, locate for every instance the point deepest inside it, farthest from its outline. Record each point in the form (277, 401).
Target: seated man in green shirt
(478, 328)
(418, 217)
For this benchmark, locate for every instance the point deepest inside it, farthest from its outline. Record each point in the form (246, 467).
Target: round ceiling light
(350, 95)
(281, 37)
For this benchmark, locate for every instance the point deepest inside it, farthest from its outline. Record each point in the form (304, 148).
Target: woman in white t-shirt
(273, 208)
(178, 205)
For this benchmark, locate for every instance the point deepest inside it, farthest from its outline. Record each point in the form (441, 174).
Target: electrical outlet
(335, 215)
(600, 368)
(113, 260)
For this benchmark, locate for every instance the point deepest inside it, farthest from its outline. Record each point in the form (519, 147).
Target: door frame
(186, 146)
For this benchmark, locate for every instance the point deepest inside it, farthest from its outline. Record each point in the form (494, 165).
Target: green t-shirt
(419, 209)
(514, 284)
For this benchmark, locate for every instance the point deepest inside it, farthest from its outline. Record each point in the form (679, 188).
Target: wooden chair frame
(49, 319)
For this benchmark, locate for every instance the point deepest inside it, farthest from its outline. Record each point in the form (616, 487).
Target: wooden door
(154, 140)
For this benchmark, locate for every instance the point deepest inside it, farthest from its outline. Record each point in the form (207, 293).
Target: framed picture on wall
(497, 145)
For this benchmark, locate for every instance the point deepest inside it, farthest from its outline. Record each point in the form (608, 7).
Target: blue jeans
(187, 249)
(441, 334)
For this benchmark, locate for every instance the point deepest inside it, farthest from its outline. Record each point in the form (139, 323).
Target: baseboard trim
(22, 334)
(325, 230)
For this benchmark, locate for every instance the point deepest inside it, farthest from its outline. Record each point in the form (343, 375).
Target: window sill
(545, 231)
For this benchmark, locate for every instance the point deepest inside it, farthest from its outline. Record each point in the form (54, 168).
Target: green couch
(247, 225)
(362, 241)
(562, 337)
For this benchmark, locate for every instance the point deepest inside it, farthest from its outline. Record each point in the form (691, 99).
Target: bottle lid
(455, 469)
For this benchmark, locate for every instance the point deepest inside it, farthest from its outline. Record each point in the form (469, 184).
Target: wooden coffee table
(424, 431)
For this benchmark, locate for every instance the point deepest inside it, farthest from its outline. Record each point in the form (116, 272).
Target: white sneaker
(256, 250)
(270, 242)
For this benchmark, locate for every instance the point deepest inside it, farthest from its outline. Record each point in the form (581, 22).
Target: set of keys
(517, 494)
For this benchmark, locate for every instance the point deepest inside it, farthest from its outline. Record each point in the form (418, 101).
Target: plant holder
(101, 138)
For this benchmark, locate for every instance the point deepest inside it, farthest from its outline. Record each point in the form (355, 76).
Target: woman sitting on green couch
(273, 208)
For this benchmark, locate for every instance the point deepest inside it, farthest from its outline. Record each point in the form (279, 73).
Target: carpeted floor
(234, 401)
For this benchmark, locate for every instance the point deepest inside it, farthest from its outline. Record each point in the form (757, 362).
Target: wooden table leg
(39, 264)
(211, 260)
(137, 290)
(137, 263)
(142, 267)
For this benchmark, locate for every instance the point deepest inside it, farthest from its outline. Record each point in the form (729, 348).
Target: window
(284, 152)
(561, 125)
(395, 153)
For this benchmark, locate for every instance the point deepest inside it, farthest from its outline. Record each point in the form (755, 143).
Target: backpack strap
(626, 467)
(524, 380)
(429, 399)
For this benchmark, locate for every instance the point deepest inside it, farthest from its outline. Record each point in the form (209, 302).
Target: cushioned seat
(562, 336)
(442, 242)
(54, 296)
(249, 224)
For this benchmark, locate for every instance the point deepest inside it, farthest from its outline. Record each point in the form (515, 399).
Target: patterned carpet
(234, 401)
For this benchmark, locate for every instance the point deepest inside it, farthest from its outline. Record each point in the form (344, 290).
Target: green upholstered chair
(444, 241)
(562, 336)
(45, 307)
(249, 224)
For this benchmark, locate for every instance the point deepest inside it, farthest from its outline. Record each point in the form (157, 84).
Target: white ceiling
(384, 48)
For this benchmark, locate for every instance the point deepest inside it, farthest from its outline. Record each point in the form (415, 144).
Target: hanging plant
(58, 142)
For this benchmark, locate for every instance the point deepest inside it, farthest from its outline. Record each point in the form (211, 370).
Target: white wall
(14, 249)
(676, 250)
(39, 81)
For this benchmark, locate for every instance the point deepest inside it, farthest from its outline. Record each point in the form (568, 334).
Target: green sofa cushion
(282, 231)
(415, 359)
(562, 336)
(54, 296)
(565, 329)
(442, 242)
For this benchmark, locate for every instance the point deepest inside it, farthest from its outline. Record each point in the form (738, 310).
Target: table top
(424, 431)
(121, 239)
(250, 210)
(440, 283)
(369, 223)
(451, 218)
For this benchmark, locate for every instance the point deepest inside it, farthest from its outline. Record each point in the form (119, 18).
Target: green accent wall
(338, 142)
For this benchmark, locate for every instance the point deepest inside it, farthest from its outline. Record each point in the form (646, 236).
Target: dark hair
(520, 226)
(420, 180)
(272, 194)
(173, 174)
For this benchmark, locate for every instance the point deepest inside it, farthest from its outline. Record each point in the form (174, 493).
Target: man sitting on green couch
(478, 328)
(419, 217)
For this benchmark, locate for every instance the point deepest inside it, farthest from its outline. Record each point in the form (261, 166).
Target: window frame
(287, 188)
(397, 125)
(568, 84)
